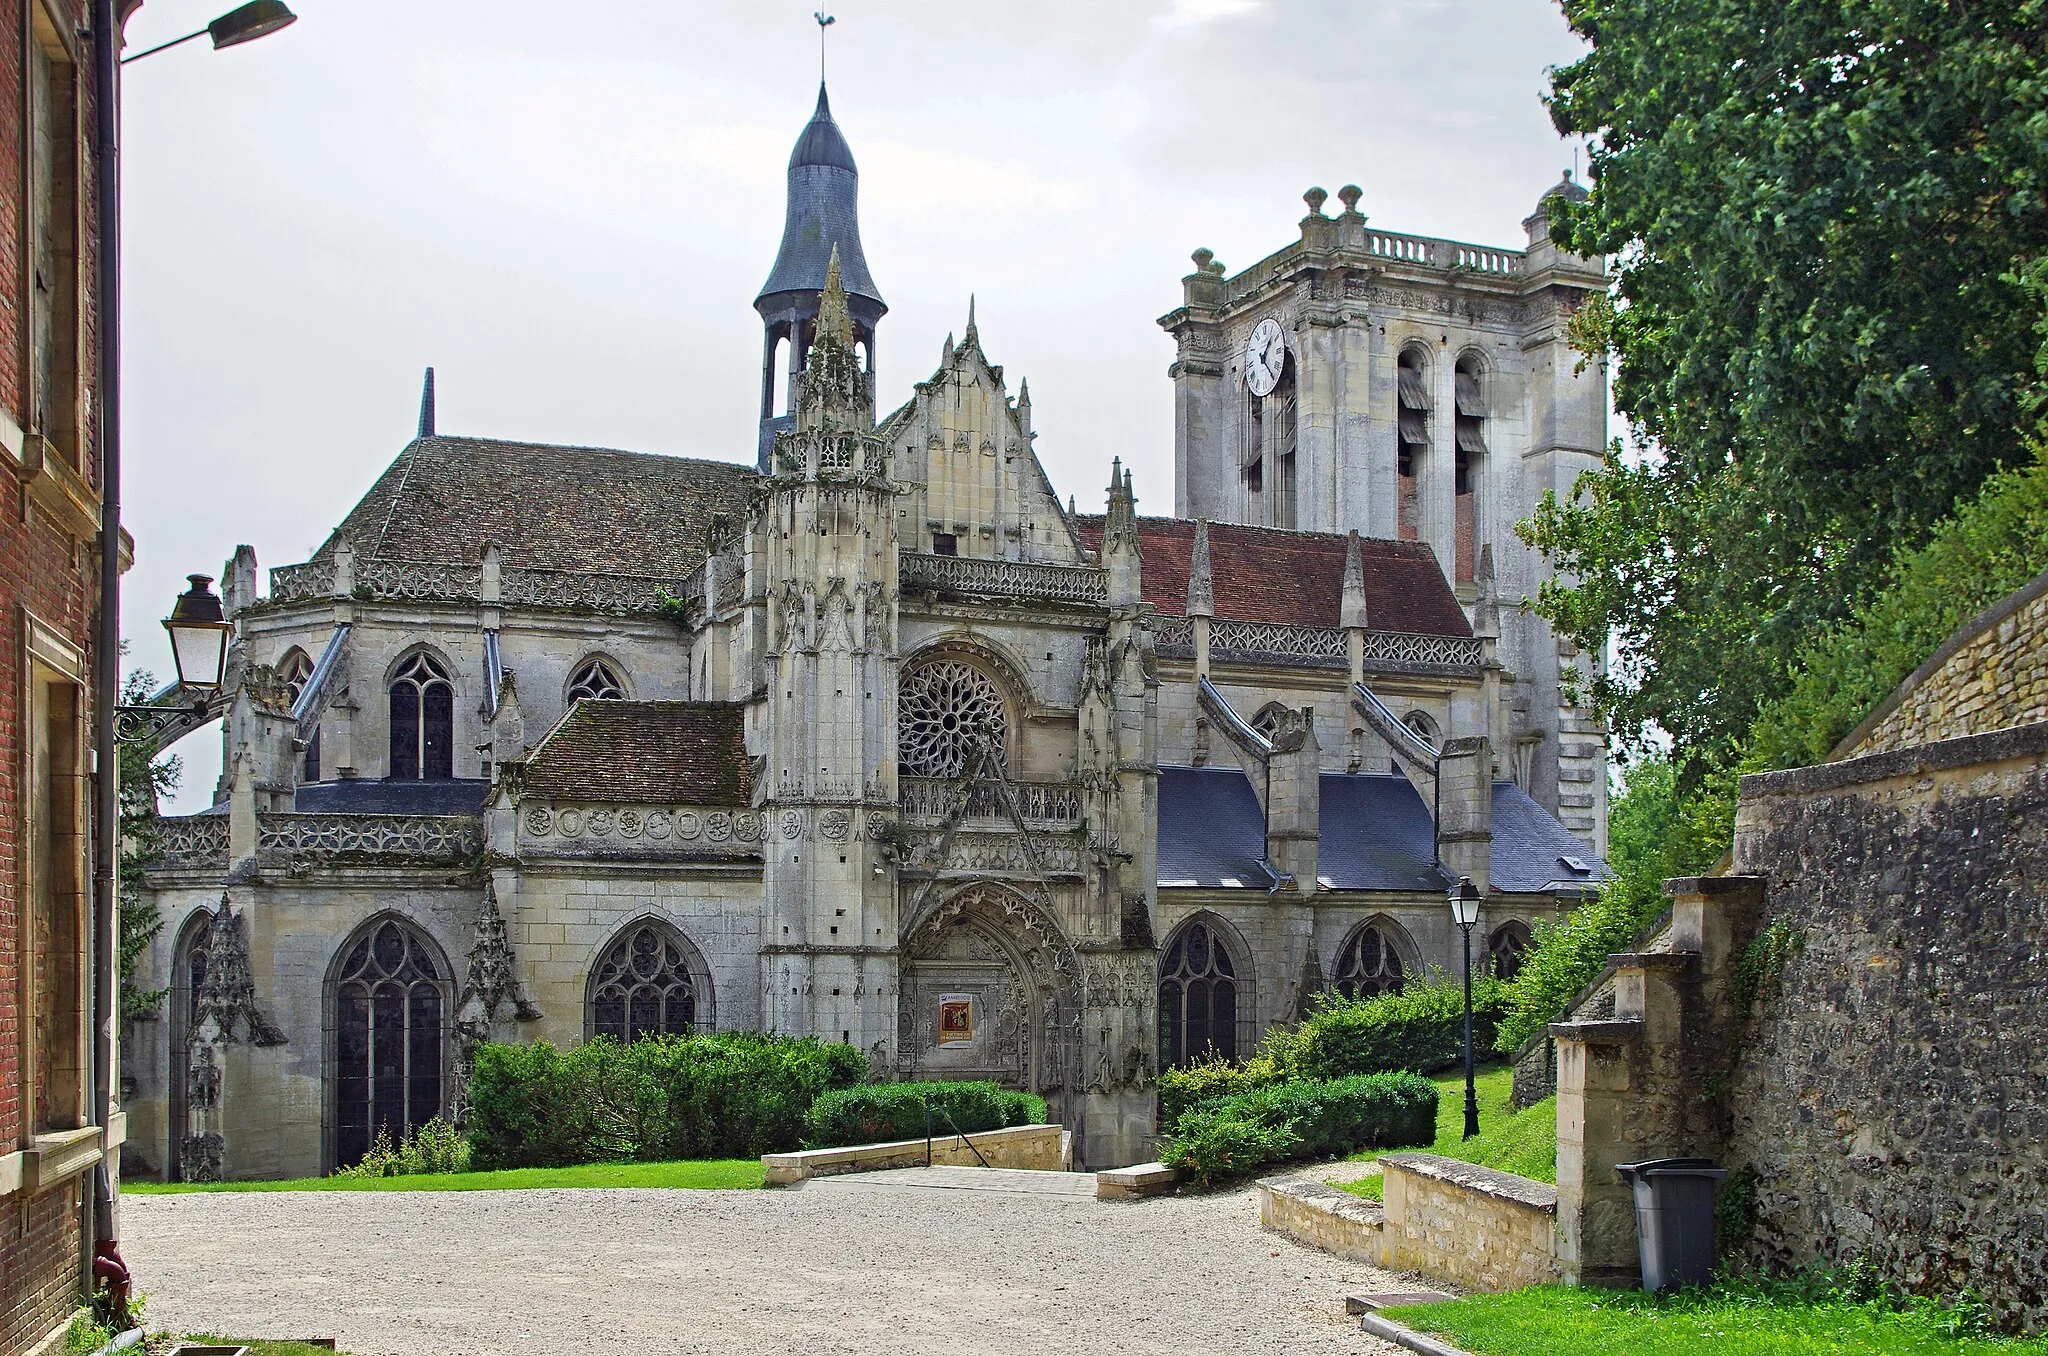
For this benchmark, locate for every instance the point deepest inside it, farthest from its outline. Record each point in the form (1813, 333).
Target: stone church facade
(556, 742)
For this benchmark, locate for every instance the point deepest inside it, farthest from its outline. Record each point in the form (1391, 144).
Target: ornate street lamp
(1465, 899)
(199, 637)
(257, 19)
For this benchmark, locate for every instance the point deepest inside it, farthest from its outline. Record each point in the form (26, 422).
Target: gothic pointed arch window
(294, 671)
(943, 703)
(1198, 996)
(389, 998)
(1469, 428)
(1505, 947)
(422, 720)
(649, 982)
(597, 681)
(1412, 450)
(1370, 963)
(188, 976)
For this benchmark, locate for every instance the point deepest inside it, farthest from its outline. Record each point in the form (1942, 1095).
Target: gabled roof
(586, 509)
(1375, 836)
(645, 753)
(1296, 578)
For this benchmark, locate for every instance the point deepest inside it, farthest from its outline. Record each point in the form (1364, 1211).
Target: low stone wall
(1043, 1147)
(1320, 1216)
(1472, 1226)
(1992, 674)
(1891, 1092)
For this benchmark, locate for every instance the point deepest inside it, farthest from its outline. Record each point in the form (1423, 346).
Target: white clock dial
(1265, 356)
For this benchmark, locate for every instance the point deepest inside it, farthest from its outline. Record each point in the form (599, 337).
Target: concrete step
(1077, 1186)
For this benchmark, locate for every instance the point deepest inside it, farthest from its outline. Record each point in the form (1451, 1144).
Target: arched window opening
(1471, 446)
(1197, 998)
(596, 681)
(775, 380)
(1270, 444)
(389, 1036)
(1505, 948)
(293, 671)
(1425, 729)
(643, 987)
(942, 705)
(422, 721)
(1369, 965)
(1412, 444)
(188, 976)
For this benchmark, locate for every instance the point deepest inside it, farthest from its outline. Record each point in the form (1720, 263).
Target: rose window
(943, 706)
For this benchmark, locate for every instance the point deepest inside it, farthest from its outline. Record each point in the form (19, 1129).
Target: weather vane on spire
(824, 20)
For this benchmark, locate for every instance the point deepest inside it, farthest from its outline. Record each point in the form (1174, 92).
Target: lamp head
(199, 632)
(257, 19)
(1464, 900)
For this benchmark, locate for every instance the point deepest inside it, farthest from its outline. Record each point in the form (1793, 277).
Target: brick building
(50, 1137)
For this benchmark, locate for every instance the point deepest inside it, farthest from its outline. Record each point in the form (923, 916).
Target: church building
(564, 742)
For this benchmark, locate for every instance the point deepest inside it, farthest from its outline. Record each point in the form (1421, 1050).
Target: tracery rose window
(596, 681)
(942, 706)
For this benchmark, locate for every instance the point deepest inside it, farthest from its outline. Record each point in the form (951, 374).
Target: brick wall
(48, 569)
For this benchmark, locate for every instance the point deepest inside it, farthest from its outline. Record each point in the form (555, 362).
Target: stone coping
(1136, 1181)
(1653, 960)
(1492, 1182)
(1994, 746)
(1323, 1197)
(1617, 1032)
(1018, 1146)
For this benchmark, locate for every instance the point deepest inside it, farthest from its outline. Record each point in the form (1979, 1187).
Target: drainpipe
(100, 1233)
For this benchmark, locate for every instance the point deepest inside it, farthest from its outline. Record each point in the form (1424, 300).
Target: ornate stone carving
(492, 982)
(942, 706)
(1003, 578)
(227, 997)
(406, 839)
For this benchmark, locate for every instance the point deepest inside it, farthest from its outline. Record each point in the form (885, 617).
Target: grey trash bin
(1674, 1219)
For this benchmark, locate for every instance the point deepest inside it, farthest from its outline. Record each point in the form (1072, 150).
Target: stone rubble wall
(1891, 1090)
(1992, 674)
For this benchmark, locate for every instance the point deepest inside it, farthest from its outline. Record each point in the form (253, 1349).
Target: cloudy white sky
(568, 209)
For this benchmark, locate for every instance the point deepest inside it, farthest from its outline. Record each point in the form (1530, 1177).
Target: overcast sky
(568, 209)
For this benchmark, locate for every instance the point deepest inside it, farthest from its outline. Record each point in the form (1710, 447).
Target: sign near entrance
(956, 1020)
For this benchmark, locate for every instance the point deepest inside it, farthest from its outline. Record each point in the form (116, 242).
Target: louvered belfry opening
(1470, 430)
(1412, 443)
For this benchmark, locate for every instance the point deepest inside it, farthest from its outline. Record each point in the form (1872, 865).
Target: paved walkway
(962, 1261)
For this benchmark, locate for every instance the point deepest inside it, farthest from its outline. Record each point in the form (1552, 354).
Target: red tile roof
(1296, 578)
(658, 753)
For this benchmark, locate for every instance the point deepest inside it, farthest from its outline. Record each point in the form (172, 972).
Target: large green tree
(1822, 212)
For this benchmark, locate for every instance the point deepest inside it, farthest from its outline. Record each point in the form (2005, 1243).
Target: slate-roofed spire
(427, 406)
(822, 219)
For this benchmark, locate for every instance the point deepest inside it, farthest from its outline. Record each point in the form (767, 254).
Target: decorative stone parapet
(1041, 1147)
(420, 581)
(929, 799)
(1317, 646)
(200, 842)
(1003, 578)
(1476, 1227)
(583, 830)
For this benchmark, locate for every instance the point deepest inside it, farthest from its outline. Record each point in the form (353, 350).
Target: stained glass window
(643, 987)
(1197, 998)
(388, 1007)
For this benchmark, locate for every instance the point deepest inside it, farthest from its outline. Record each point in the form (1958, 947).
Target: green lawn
(1729, 1320)
(711, 1173)
(1521, 1142)
(258, 1347)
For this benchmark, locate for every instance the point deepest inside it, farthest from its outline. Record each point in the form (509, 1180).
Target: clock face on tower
(1265, 355)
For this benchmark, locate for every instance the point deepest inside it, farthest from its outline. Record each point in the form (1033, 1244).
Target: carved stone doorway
(989, 990)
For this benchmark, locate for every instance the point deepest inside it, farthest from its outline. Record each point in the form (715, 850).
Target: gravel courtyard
(838, 1265)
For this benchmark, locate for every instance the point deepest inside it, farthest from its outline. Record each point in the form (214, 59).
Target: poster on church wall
(956, 1020)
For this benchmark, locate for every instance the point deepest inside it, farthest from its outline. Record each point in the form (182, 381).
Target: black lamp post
(1465, 899)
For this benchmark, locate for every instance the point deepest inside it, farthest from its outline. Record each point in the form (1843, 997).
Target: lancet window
(1197, 998)
(390, 1000)
(1470, 429)
(1412, 445)
(1505, 948)
(422, 720)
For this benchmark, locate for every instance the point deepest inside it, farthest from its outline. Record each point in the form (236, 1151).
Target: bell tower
(822, 220)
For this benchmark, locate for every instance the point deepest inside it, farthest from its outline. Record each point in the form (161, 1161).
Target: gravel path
(838, 1265)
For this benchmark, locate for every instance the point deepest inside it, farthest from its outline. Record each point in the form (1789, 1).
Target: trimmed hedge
(1420, 1029)
(878, 1113)
(728, 1095)
(1184, 1087)
(1229, 1136)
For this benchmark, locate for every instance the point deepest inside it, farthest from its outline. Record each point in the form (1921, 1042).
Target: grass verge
(259, 1347)
(717, 1174)
(1521, 1142)
(1731, 1319)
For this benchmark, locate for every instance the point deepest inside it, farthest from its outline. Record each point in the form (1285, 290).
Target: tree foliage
(1825, 217)
(143, 780)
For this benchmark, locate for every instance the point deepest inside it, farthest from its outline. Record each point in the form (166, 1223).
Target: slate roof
(1375, 837)
(642, 753)
(1270, 574)
(407, 796)
(823, 211)
(587, 509)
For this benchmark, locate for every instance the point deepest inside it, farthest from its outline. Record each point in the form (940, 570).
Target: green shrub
(433, 1147)
(1301, 1117)
(728, 1095)
(1212, 1144)
(1182, 1088)
(877, 1113)
(1420, 1029)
